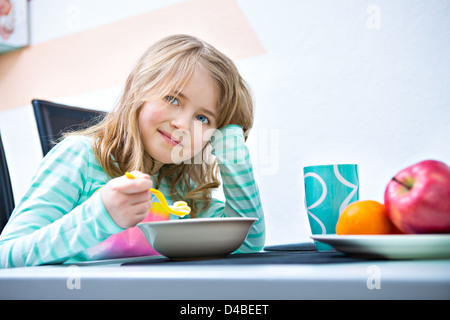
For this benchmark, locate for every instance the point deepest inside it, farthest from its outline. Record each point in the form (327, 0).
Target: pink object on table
(128, 243)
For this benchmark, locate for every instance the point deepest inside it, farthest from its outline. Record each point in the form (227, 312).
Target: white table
(421, 279)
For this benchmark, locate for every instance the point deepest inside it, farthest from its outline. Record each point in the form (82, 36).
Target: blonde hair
(165, 66)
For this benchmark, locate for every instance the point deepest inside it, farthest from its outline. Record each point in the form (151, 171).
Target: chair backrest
(54, 119)
(6, 195)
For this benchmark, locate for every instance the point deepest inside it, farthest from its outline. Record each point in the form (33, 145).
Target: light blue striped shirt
(60, 217)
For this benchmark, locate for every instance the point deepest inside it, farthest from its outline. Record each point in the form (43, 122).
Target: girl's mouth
(169, 138)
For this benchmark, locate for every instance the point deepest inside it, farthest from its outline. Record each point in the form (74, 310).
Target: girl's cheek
(198, 140)
(207, 136)
(207, 133)
(158, 114)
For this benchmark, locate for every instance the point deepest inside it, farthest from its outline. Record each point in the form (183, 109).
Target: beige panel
(102, 57)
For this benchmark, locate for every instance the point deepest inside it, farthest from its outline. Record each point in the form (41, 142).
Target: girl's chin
(174, 157)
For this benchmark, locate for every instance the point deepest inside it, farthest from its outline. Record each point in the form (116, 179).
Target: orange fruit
(365, 217)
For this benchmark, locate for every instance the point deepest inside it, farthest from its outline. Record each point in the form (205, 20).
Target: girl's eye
(202, 118)
(172, 100)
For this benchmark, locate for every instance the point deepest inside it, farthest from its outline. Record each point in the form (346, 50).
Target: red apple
(417, 199)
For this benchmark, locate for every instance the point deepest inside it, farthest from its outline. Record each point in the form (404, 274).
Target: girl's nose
(181, 121)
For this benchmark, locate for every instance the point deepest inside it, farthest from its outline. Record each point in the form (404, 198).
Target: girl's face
(178, 127)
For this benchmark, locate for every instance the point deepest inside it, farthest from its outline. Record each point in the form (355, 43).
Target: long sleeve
(59, 216)
(239, 185)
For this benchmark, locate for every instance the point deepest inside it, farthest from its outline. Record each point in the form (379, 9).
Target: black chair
(6, 194)
(54, 119)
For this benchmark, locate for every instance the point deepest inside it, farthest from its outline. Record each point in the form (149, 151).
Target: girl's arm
(58, 216)
(239, 186)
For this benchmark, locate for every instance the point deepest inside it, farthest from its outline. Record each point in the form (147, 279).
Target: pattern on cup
(348, 196)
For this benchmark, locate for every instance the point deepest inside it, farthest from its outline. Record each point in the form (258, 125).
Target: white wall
(355, 81)
(338, 87)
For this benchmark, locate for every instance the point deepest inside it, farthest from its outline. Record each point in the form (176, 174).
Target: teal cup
(329, 189)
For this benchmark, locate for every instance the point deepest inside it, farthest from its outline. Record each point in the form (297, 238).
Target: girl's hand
(128, 200)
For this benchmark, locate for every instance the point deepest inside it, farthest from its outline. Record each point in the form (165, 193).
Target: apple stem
(402, 183)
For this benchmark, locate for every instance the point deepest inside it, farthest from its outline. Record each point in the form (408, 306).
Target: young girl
(183, 100)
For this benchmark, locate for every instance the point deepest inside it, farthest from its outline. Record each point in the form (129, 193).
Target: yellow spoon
(179, 208)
